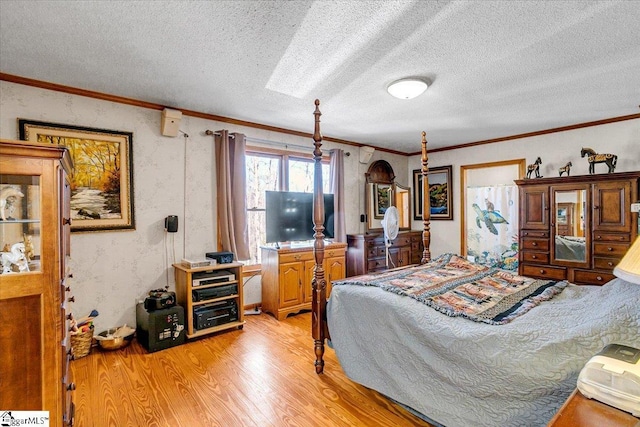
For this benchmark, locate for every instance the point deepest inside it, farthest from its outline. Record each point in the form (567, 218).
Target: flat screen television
(289, 216)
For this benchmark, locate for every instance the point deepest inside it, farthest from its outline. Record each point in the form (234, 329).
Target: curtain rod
(269, 142)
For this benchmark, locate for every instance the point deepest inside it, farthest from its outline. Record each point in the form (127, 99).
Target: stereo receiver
(215, 314)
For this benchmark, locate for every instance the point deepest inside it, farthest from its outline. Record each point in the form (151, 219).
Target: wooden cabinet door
(291, 279)
(405, 256)
(335, 269)
(534, 207)
(307, 288)
(611, 206)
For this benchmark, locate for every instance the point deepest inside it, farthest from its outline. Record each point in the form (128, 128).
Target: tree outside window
(265, 172)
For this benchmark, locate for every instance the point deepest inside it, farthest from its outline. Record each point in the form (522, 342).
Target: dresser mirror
(381, 192)
(402, 201)
(570, 243)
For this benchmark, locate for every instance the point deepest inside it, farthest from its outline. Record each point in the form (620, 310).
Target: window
(267, 171)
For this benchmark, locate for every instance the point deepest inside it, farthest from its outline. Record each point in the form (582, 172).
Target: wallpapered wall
(114, 269)
(555, 149)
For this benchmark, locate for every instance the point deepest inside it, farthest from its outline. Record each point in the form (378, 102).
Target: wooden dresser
(287, 273)
(367, 253)
(576, 228)
(34, 293)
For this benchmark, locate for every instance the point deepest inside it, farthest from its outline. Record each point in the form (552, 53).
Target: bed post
(318, 284)
(426, 203)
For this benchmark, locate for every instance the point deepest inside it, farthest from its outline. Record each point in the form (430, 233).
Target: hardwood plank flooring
(262, 375)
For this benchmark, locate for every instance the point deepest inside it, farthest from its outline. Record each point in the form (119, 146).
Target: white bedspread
(461, 373)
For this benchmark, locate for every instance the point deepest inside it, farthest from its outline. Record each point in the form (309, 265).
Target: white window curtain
(233, 233)
(336, 186)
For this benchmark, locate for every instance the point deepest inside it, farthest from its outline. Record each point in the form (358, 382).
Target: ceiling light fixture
(407, 88)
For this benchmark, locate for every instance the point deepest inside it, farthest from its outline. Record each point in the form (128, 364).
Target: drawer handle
(610, 264)
(297, 257)
(526, 234)
(599, 278)
(598, 237)
(71, 387)
(534, 244)
(534, 257)
(541, 271)
(609, 249)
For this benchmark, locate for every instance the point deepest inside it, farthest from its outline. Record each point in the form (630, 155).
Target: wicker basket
(81, 343)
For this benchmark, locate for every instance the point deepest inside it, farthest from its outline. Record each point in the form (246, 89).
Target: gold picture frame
(441, 189)
(102, 175)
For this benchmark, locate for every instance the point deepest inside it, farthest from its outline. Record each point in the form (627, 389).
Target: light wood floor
(262, 375)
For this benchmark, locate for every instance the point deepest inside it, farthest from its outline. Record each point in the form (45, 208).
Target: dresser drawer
(296, 256)
(537, 244)
(605, 263)
(331, 253)
(402, 241)
(534, 233)
(376, 264)
(610, 249)
(557, 273)
(610, 237)
(592, 277)
(535, 257)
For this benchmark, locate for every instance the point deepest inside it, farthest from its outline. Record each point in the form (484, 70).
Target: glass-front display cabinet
(35, 290)
(20, 223)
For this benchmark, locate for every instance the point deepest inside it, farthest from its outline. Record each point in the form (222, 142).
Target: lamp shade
(629, 267)
(407, 88)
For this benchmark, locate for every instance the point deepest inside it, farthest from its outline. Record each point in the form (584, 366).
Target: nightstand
(578, 411)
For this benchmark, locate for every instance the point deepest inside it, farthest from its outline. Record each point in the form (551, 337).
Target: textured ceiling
(499, 68)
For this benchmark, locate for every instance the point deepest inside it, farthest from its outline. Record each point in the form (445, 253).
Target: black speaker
(171, 223)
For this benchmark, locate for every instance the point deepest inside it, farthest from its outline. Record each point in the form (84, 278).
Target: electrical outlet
(635, 207)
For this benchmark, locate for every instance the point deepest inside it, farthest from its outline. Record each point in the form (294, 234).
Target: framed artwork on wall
(440, 193)
(102, 175)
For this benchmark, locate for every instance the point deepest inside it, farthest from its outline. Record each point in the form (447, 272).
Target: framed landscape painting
(102, 175)
(440, 189)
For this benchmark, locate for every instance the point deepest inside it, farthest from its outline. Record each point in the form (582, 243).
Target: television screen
(289, 216)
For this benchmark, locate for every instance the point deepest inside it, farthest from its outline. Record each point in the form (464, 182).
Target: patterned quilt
(457, 287)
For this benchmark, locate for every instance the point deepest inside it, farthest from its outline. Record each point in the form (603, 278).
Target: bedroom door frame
(520, 167)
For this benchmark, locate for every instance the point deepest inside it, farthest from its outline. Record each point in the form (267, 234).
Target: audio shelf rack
(184, 277)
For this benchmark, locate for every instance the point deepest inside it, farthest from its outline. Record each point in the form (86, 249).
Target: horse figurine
(535, 167)
(609, 159)
(15, 257)
(566, 168)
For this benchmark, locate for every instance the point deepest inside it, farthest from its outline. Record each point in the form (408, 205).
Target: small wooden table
(579, 411)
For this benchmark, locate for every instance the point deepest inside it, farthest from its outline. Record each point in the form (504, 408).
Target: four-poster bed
(405, 333)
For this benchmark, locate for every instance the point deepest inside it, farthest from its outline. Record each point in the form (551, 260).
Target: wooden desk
(578, 411)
